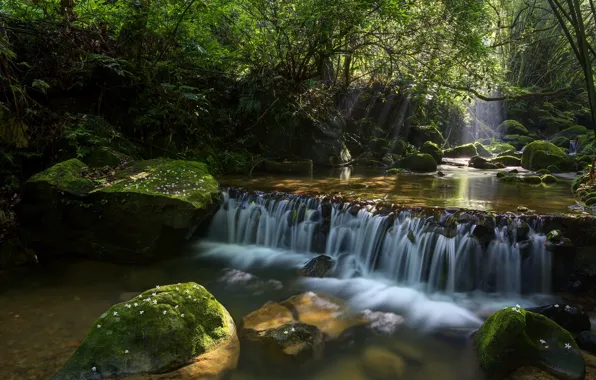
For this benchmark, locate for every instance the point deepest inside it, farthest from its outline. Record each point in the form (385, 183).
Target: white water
(401, 264)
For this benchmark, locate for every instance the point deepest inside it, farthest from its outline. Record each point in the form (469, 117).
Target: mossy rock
(422, 163)
(433, 149)
(512, 152)
(542, 154)
(549, 179)
(590, 201)
(396, 171)
(158, 331)
(143, 212)
(506, 161)
(543, 171)
(482, 151)
(482, 163)
(466, 150)
(561, 142)
(518, 141)
(553, 169)
(513, 337)
(105, 157)
(554, 236)
(498, 148)
(512, 127)
(572, 132)
(509, 178)
(420, 134)
(531, 180)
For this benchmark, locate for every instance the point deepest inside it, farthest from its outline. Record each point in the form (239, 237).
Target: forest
(369, 150)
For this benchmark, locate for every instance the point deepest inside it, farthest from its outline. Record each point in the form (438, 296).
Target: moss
(511, 337)
(543, 171)
(553, 169)
(188, 181)
(532, 180)
(433, 149)
(481, 163)
(507, 161)
(572, 132)
(158, 331)
(542, 154)
(466, 150)
(512, 152)
(498, 148)
(518, 141)
(510, 178)
(423, 163)
(105, 157)
(65, 177)
(549, 179)
(512, 127)
(482, 151)
(396, 171)
(561, 141)
(420, 134)
(554, 236)
(590, 200)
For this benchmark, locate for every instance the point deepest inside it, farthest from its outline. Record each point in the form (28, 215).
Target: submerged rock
(380, 363)
(317, 267)
(513, 337)
(138, 213)
(180, 331)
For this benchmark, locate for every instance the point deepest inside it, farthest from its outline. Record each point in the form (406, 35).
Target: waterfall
(433, 256)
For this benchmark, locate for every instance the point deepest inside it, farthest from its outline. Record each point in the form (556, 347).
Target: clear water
(437, 283)
(462, 187)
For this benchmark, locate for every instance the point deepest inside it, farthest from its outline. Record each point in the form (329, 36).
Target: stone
(549, 179)
(518, 141)
(531, 180)
(466, 150)
(512, 127)
(288, 167)
(542, 154)
(418, 135)
(570, 318)
(380, 363)
(234, 279)
(433, 149)
(176, 330)
(141, 212)
(498, 148)
(105, 156)
(506, 161)
(482, 163)
(317, 267)
(422, 163)
(513, 337)
(587, 341)
(385, 324)
(481, 150)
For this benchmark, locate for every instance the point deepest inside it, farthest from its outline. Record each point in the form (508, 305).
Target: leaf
(41, 85)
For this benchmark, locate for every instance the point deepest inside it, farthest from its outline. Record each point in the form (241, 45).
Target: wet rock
(317, 267)
(105, 156)
(383, 323)
(379, 363)
(513, 337)
(522, 209)
(568, 317)
(484, 234)
(466, 150)
(175, 332)
(433, 149)
(440, 174)
(422, 163)
(233, 278)
(587, 341)
(482, 163)
(514, 171)
(542, 154)
(530, 373)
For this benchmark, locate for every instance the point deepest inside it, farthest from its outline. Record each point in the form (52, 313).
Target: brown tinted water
(46, 312)
(461, 187)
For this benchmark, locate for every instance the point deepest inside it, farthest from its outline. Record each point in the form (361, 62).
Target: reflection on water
(461, 187)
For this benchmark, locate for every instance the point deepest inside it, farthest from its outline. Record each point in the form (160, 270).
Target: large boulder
(513, 337)
(572, 132)
(138, 213)
(433, 149)
(482, 150)
(541, 154)
(420, 134)
(518, 141)
(317, 267)
(506, 161)
(173, 332)
(422, 163)
(512, 127)
(466, 150)
(482, 163)
(498, 148)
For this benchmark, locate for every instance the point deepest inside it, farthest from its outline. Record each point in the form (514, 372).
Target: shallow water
(463, 187)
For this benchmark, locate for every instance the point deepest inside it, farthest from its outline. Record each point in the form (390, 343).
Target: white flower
(165, 312)
(186, 291)
(127, 305)
(178, 283)
(176, 307)
(154, 302)
(293, 329)
(157, 287)
(147, 299)
(153, 294)
(286, 331)
(517, 306)
(93, 369)
(141, 312)
(177, 288)
(136, 304)
(115, 313)
(98, 326)
(126, 351)
(567, 346)
(567, 307)
(518, 310)
(557, 305)
(542, 341)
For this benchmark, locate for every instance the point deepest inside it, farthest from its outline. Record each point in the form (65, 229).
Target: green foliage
(512, 127)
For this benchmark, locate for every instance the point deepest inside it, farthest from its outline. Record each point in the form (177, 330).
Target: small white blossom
(567, 346)
(567, 307)
(126, 351)
(154, 302)
(176, 307)
(115, 313)
(141, 312)
(157, 287)
(153, 294)
(127, 305)
(178, 284)
(556, 305)
(98, 326)
(136, 304)
(165, 312)
(93, 369)
(286, 331)
(182, 315)
(177, 288)
(147, 299)
(517, 306)
(542, 341)
(186, 291)
(293, 329)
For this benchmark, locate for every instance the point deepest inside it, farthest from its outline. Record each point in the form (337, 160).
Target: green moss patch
(433, 149)
(512, 127)
(423, 163)
(507, 161)
(466, 150)
(542, 154)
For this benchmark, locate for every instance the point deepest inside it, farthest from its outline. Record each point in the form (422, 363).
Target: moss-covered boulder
(466, 150)
(162, 330)
(498, 148)
(561, 142)
(420, 134)
(513, 337)
(482, 163)
(542, 154)
(141, 212)
(433, 149)
(549, 179)
(531, 179)
(506, 161)
(513, 153)
(482, 150)
(553, 169)
(105, 156)
(572, 132)
(518, 141)
(422, 163)
(512, 127)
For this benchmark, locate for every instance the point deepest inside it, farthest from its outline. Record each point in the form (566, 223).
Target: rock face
(135, 214)
(291, 334)
(317, 267)
(541, 154)
(173, 332)
(513, 337)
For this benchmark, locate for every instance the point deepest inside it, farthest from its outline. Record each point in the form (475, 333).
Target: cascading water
(408, 250)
